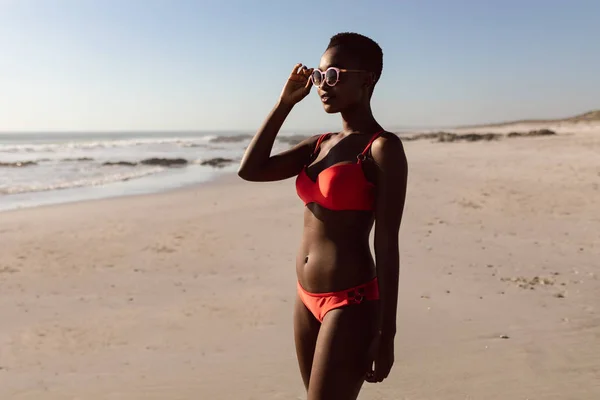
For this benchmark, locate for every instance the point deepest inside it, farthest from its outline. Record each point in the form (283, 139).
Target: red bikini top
(339, 187)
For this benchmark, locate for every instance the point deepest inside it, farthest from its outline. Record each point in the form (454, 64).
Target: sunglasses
(331, 76)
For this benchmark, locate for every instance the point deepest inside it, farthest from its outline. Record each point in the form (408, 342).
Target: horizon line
(572, 118)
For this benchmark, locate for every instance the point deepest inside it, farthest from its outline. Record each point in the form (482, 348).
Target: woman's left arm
(392, 173)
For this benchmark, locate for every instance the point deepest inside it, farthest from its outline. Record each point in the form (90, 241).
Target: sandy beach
(188, 294)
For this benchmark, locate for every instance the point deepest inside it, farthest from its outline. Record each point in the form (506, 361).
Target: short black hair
(368, 52)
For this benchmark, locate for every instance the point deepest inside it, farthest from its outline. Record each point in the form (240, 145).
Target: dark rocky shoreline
(217, 162)
(475, 137)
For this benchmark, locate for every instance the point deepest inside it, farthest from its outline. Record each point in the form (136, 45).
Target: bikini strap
(363, 156)
(321, 138)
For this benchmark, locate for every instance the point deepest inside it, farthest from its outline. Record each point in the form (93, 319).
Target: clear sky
(221, 64)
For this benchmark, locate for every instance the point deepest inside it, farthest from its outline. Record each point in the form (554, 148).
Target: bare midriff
(334, 252)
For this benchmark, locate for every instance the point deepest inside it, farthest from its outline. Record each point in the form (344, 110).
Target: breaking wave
(95, 181)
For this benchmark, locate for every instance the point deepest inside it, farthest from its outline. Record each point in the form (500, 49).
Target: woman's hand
(297, 86)
(382, 356)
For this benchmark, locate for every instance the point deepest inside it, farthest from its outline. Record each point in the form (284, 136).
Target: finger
(298, 76)
(370, 375)
(307, 72)
(301, 69)
(370, 378)
(377, 373)
(304, 72)
(382, 373)
(373, 350)
(295, 69)
(309, 84)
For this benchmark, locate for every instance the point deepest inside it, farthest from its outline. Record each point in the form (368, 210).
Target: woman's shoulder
(388, 142)
(387, 145)
(387, 135)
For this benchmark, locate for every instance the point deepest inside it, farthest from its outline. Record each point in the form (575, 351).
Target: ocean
(50, 168)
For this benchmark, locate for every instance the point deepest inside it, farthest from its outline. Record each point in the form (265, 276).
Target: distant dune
(587, 123)
(591, 116)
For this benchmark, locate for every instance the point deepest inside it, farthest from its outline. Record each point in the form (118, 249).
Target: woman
(345, 313)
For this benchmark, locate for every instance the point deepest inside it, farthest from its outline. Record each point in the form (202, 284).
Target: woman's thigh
(306, 330)
(341, 358)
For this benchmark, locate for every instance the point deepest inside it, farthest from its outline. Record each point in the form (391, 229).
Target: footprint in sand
(526, 283)
(469, 204)
(162, 249)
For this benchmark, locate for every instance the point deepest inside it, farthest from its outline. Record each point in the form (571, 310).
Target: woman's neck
(359, 120)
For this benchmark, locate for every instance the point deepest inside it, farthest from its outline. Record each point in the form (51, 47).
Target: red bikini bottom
(320, 304)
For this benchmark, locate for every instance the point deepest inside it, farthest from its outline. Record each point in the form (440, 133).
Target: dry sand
(188, 294)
